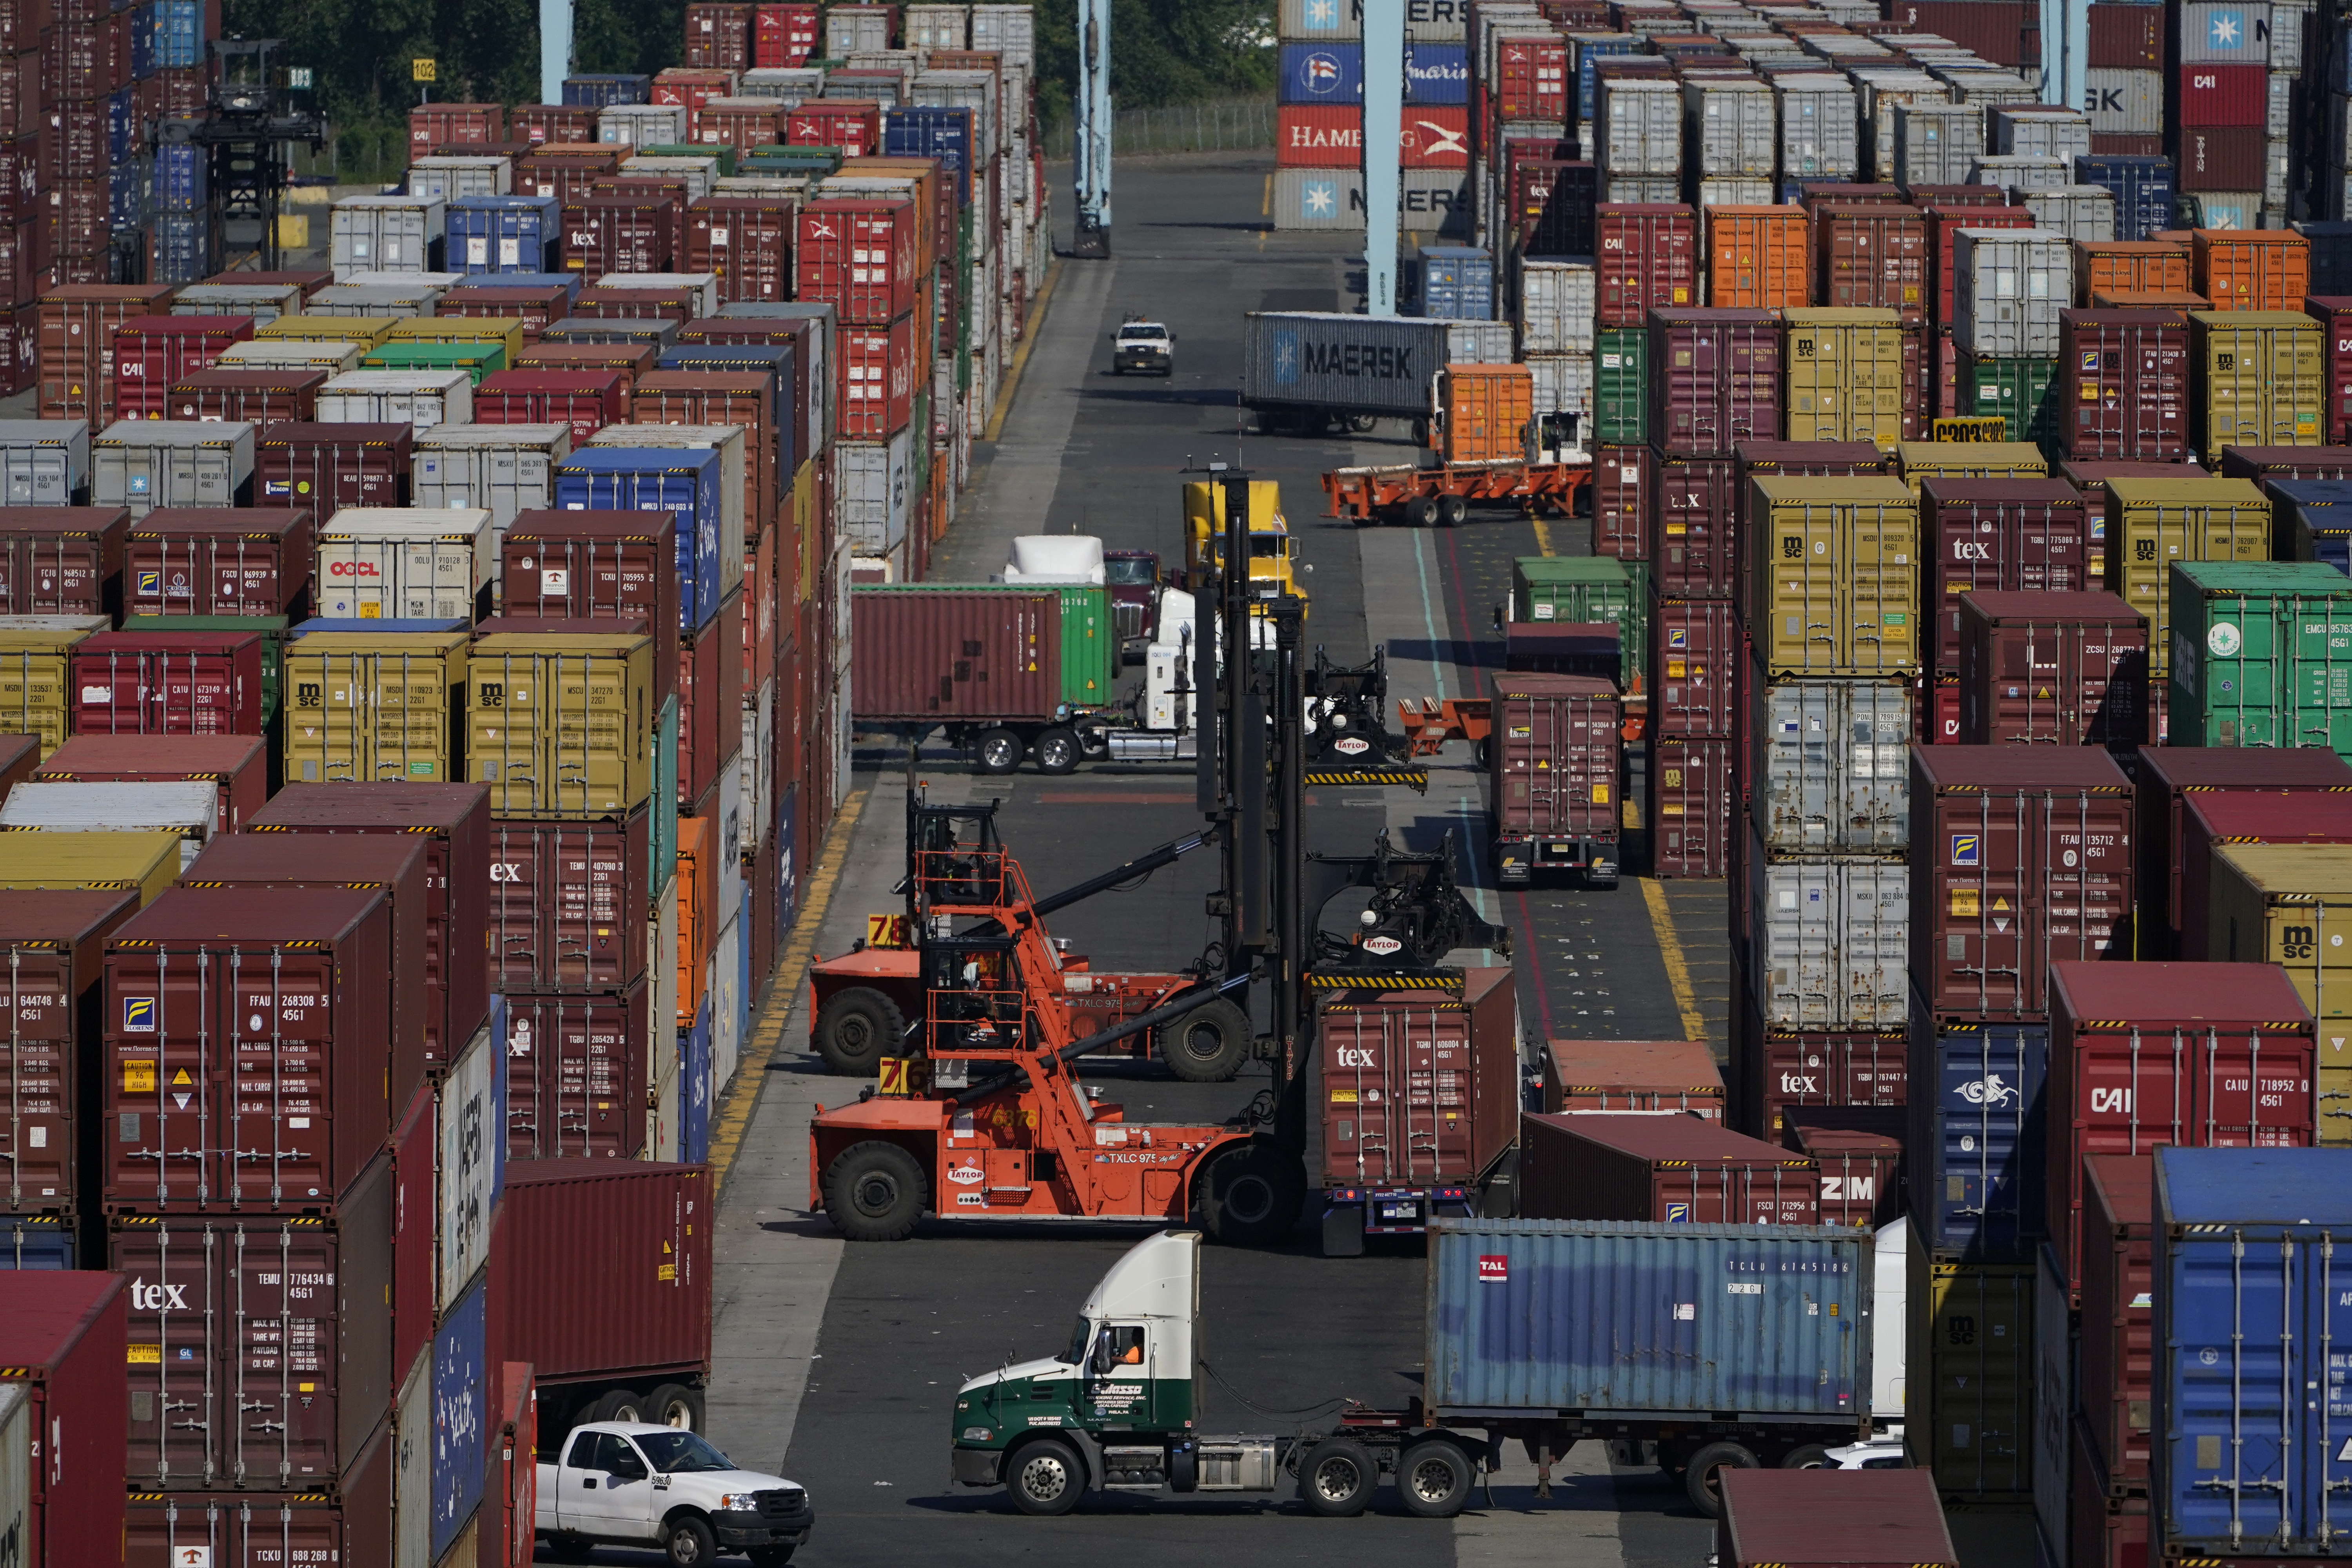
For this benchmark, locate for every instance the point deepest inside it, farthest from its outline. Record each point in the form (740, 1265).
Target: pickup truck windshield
(680, 1453)
(1154, 333)
(1132, 572)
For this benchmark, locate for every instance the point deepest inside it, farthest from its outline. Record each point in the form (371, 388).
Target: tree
(1162, 52)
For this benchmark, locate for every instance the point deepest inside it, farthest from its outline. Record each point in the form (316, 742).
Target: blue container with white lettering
(122, 136)
(679, 480)
(1436, 74)
(129, 195)
(142, 41)
(1976, 1132)
(774, 358)
(2314, 521)
(179, 34)
(1320, 73)
(181, 250)
(933, 132)
(459, 1440)
(694, 1087)
(1452, 283)
(501, 234)
(1585, 50)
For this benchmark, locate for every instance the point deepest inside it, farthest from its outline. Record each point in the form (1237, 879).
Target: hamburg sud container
(1675, 1169)
(2194, 1055)
(57, 947)
(1660, 1077)
(1830, 767)
(1419, 1105)
(2271, 903)
(2168, 776)
(199, 561)
(62, 1341)
(2114, 1286)
(559, 723)
(681, 481)
(2262, 654)
(62, 560)
(2005, 534)
(1836, 584)
(374, 699)
(1832, 1519)
(1555, 752)
(1317, 360)
(2247, 1438)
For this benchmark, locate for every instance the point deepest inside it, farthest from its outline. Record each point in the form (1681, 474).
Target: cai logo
(1318, 198)
(1966, 849)
(139, 1015)
(150, 580)
(1321, 73)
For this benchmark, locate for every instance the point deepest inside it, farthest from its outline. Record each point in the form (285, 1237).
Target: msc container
(1714, 380)
(2168, 776)
(235, 763)
(1673, 1169)
(64, 1342)
(2261, 655)
(1556, 756)
(143, 464)
(55, 943)
(1998, 534)
(1817, 1519)
(36, 656)
(558, 723)
(406, 564)
(913, 652)
(62, 560)
(421, 398)
(1829, 772)
(2260, 377)
(1845, 375)
(2124, 385)
(168, 683)
(2051, 669)
(505, 470)
(1830, 939)
(1834, 577)
(379, 700)
(684, 482)
(2009, 287)
(1372, 365)
(2154, 523)
(1656, 1077)
(385, 234)
(2244, 820)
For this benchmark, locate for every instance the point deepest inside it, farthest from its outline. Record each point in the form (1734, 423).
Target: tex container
(1714, 380)
(1669, 1077)
(2155, 524)
(914, 646)
(1844, 375)
(1997, 534)
(2260, 379)
(406, 564)
(1836, 577)
(568, 901)
(1381, 1128)
(682, 481)
(1828, 770)
(378, 701)
(144, 464)
(2043, 667)
(56, 943)
(1831, 937)
(1664, 1169)
(62, 560)
(1601, 1316)
(214, 1112)
(63, 1341)
(1372, 365)
(2262, 654)
(2271, 903)
(558, 723)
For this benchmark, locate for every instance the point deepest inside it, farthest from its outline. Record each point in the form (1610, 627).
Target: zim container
(1659, 1077)
(56, 943)
(1672, 1169)
(2262, 654)
(1859, 1149)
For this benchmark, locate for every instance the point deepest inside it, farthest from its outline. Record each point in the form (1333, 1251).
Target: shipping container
(2009, 287)
(1873, 257)
(1968, 1375)
(1758, 257)
(1557, 762)
(558, 724)
(1689, 787)
(1976, 1140)
(168, 683)
(2059, 668)
(145, 464)
(2256, 653)
(1831, 940)
(1648, 259)
(1834, 577)
(144, 862)
(2260, 377)
(1818, 1518)
(1714, 380)
(1998, 534)
(237, 764)
(430, 562)
(255, 396)
(1678, 1170)
(684, 482)
(2155, 523)
(61, 1416)
(421, 398)
(2249, 270)
(57, 944)
(1827, 773)
(913, 659)
(1845, 375)
(1340, 361)
(567, 902)
(150, 352)
(2124, 385)
(586, 400)
(187, 808)
(597, 566)
(62, 560)
(1655, 1077)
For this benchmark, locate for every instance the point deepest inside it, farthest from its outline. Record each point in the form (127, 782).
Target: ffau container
(1555, 753)
(1836, 577)
(56, 943)
(915, 653)
(2143, 1055)
(1832, 1519)
(1998, 534)
(2271, 904)
(2154, 523)
(597, 566)
(1977, 1137)
(2246, 1445)
(1829, 771)
(2052, 669)
(1670, 1169)
(237, 765)
(2116, 1292)
(62, 560)
(2009, 287)
(63, 1343)
(406, 564)
(202, 561)
(1859, 1149)
(1831, 937)
(2260, 377)
(2124, 385)
(568, 902)
(1659, 1077)
(143, 464)
(559, 723)
(2166, 776)
(168, 683)
(2261, 655)
(1373, 365)
(1714, 380)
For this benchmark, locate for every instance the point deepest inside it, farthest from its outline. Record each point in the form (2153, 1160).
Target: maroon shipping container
(940, 654)
(2261, 463)
(2167, 774)
(1648, 259)
(167, 683)
(1694, 659)
(2123, 384)
(260, 1346)
(1873, 257)
(262, 1530)
(1673, 1169)
(63, 1337)
(1621, 482)
(153, 352)
(1691, 805)
(566, 124)
(1859, 1149)
(1944, 223)
(20, 756)
(414, 1147)
(75, 146)
(86, 59)
(76, 341)
(1715, 380)
(2221, 158)
(614, 303)
(329, 467)
(56, 943)
(1779, 1068)
(605, 234)
(2051, 669)
(1694, 501)
(710, 701)
(1659, 1077)
(504, 1528)
(634, 1238)
(567, 178)
(2248, 816)
(567, 902)
(208, 561)
(256, 395)
(2001, 30)
(587, 400)
(62, 560)
(2108, 1526)
(718, 37)
(1555, 752)
(597, 566)
(396, 867)
(1812, 1519)
(2113, 1383)
(307, 279)
(2125, 37)
(2091, 480)
(1530, 80)
(534, 307)
(454, 822)
(874, 391)
(852, 124)
(240, 764)
(746, 242)
(431, 124)
(2203, 1055)
(1997, 534)
(2214, 96)
(578, 1067)
(2334, 313)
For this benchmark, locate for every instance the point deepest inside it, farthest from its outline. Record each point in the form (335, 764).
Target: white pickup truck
(628, 1483)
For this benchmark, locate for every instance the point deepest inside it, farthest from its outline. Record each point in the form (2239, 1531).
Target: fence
(1214, 126)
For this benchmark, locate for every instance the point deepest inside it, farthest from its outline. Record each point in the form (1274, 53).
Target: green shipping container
(273, 648)
(1090, 648)
(1590, 588)
(724, 153)
(2261, 655)
(477, 360)
(1620, 390)
(2023, 392)
(814, 161)
(661, 843)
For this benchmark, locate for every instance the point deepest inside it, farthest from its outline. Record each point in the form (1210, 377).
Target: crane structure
(1095, 128)
(256, 110)
(1383, 135)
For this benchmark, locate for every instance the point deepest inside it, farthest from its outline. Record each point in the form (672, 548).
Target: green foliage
(1161, 52)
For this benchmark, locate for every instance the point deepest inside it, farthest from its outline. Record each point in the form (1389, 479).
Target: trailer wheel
(1361, 424)
(1434, 1478)
(856, 1029)
(1207, 1045)
(1057, 752)
(997, 752)
(1339, 1477)
(1455, 511)
(1485, 751)
(675, 1405)
(618, 1404)
(1250, 1194)
(1805, 1456)
(1699, 1480)
(1420, 511)
(1045, 1479)
(875, 1191)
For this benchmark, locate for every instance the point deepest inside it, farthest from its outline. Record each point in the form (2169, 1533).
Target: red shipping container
(578, 1067)
(1554, 752)
(86, 59)
(2214, 96)
(1660, 1077)
(2004, 33)
(709, 701)
(238, 764)
(784, 35)
(75, 146)
(432, 124)
(534, 307)
(567, 902)
(587, 400)
(150, 352)
(875, 398)
(722, 395)
(1530, 81)
(858, 254)
(22, 200)
(2109, 144)
(1648, 256)
(77, 219)
(1781, 1069)
(852, 124)
(2167, 774)
(608, 234)
(1715, 382)
(256, 396)
(596, 565)
(2199, 1055)
(567, 175)
(1997, 534)
(1859, 1149)
(601, 303)
(739, 125)
(2249, 817)
(248, 1043)
(2123, 384)
(2051, 669)
(2335, 314)
(1697, 551)
(20, 93)
(290, 1527)
(1696, 648)
(1873, 257)
(65, 1337)
(62, 560)
(328, 467)
(1620, 522)
(2222, 157)
(1690, 805)
(55, 943)
(718, 37)
(562, 123)
(2261, 463)
(23, 276)
(746, 241)
(2108, 1524)
(1421, 1098)
(167, 683)
(2125, 37)
(1323, 136)
(1944, 222)
(213, 561)
(1660, 1169)
(691, 86)
(2115, 1284)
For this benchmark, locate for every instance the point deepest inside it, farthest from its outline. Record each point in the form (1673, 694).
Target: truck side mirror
(1100, 1360)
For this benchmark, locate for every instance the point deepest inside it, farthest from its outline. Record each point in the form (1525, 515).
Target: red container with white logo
(1617, 1166)
(2052, 669)
(876, 397)
(587, 400)
(1430, 137)
(167, 683)
(746, 242)
(326, 468)
(251, 396)
(578, 1067)
(217, 561)
(718, 37)
(150, 352)
(1779, 1068)
(1648, 258)
(1620, 524)
(733, 122)
(852, 124)
(690, 88)
(238, 764)
(534, 307)
(858, 254)
(784, 35)
(1419, 1088)
(1989, 534)
(597, 566)
(1694, 503)
(2335, 314)
(62, 560)
(610, 233)
(2203, 1055)
(1532, 79)
(1859, 1149)
(2224, 95)
(567, 902)
(432, 125)
(1691, 803)
(1318, 136)
(562, 123)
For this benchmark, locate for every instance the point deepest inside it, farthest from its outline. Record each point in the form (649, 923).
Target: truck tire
(1339, 1477)
(1251, 1193)
(675, 1405)
(1420, 511)
(686, 1543)
(1453, 510)
(856, 1029)
(618, 1404)
(1057, 752)
(1207, 1045)
(997, 752)
(875, 1191)
(1698, 1481)
(1362, 423)
(1433, 1477)
(570, 1548)
(1045, 1479)
(1805, 1456)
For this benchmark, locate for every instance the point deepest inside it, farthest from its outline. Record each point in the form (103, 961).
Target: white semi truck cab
(627, 1483)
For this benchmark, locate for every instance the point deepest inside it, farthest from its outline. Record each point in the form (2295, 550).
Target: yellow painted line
(1035, 324)
(791, 972)
(1266, 207)
(1670, 950)
(1543, 536)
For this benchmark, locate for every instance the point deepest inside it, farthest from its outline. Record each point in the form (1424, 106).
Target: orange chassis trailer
(1404, 492)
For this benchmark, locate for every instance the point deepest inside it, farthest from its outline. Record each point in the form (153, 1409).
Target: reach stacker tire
(1339, 1477)
(1207, 1045)
(1251, 1194)
(856, 1029)
(875, 1191)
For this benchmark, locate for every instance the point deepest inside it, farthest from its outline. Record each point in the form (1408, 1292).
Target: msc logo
(1966, 849)
(150, 580)
(146, 1298)
(139, 1015)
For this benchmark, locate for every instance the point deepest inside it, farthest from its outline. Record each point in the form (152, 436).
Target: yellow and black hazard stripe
(1411, 778)
(1375, 980)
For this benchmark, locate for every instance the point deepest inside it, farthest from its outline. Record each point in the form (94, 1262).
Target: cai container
(2052, 669)
(168, 683)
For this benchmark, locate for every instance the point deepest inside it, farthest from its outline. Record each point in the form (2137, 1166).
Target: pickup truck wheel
(1045, 1479)
(997, 752)
(875, 1191)
(1251, 1193)
(1699, 1480)
(856, 1029)
(1339, 1477)
(675, 1405)
(1057, 752)
(1207, 1045)
(686, 1543)
(1434, 1478)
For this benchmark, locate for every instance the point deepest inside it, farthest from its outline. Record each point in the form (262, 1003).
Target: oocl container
(2260, 377)
(1829, 772)
(2154, 523)
(1998, 534)
(143, 464)
(1846, 376)
(1657, 1076)
(406, 564)
(558, 724)
(1834, 576)
(168, 683)
(2124, 385)
(62, 1415)
(1678, 1170)
(2058, 668)
(579, 1067)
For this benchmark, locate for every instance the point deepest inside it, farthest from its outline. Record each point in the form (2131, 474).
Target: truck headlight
(739, 1502)
(975, 1435)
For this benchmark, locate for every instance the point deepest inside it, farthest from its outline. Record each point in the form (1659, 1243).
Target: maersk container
(1593, 1317)
(1977, 1137)
(143, 464)
(1328, 359)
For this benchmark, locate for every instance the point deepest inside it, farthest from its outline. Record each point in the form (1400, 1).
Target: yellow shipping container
(1836, 575)
(293, 231)
(504, 330)
(1918, 462)
(2260, 379)
(34, 694)
(1968, 1375)
(2151, 523)
(1844, 375)
(2291, 904)
(374, 707)
(559, 723)
(365, 330)
(148, 861)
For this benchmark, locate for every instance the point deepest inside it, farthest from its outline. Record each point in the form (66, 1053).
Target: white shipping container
(728, 442)
(470, 1114)
(665, 1120)
(935, 27)
(2041, 131)
(1641, 189)
(1821, 130)
(374, 299)
(2019, 172)
(855, 30)
(2078, 212)
(726, 986)
(1734, 193)
(1975, 84)
(1563, 385)
(1479, 342)
(420, 398)
(695, 173)
(504, 469)
(975, 90)
(2274, 182)
(413, 563)
(45, 462)
(2289, 23)
(143, 464)
(1881, 92)
(1558, 301)
(1641, 127)
(412, 1466)
(2279, 112)
(384, 234)
(2124, 102)
(1833, 936)
(438, 179)
(1832, 764)
(1730, 127)
(756, 762)
(788, 85)
(642, 124)
(265, 302)
(1937, 144)
(2223, 32)
(189, 809)
(1342, 21)
(279, 353)
(2008, 287)
(872, 490)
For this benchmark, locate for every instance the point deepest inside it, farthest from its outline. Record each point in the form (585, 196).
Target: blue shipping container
(648, 478)
(2252, 1414)
(122, 139)
(460, 1401)
(2142, 188)
(694, 1087)
(933, 132)
(502, 234)
(37, 1242)
(127, 190)
(1976, 1116)
(572, 281)
(788, 879)
(602, 91)
(1766, 1320)
(1588, 48)
(143, 42)
(1436, 73)
(1453, 282)
(1320, 73)
(2314, 520)
(179, 34)
(776, 358)
(182, 178)
(2331, 256)
(181, 249)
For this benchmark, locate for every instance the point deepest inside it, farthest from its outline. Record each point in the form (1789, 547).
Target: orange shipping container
(1757, 257)
(2149, 300)
(2252, 268)
(1488, 410)
(2135, 265)
(699, 871)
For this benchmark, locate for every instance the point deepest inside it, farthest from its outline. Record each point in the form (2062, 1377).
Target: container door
(17, 1435)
